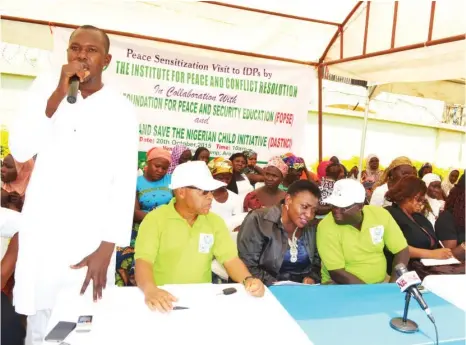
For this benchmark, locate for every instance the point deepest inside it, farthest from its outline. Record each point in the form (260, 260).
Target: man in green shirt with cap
(177, 242)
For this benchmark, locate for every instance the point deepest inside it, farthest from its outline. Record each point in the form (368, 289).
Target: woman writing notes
(408, 197)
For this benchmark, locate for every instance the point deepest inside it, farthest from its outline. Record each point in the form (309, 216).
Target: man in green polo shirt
(351, 239)
(177, 242)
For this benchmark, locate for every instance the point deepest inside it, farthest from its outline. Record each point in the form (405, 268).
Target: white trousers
(37, 327)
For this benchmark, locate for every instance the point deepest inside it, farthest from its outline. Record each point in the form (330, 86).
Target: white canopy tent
(381, 42)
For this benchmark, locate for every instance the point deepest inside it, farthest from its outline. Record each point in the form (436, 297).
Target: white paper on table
(289, 282)
(435, 262)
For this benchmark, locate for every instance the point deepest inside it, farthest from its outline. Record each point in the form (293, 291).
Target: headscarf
(446, 184)
(421, 170)
(24, 171)
(372, 175)
(278, 163)
(394, 164)
(220, 165)
(322, 168)
(435, 205)
(177, 151)
(249, 153)
(292, 161)
(157, 152)
(429, 178)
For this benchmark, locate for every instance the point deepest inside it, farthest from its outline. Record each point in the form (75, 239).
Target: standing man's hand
(74, 68)
(97, 267)
(254, 287)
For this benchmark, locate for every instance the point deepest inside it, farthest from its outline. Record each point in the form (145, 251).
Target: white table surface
(451, 288)
(121, 317)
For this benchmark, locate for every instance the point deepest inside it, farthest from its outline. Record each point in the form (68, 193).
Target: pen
(179, 308)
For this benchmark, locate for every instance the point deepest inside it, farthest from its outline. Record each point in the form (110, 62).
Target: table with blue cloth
(360, 315)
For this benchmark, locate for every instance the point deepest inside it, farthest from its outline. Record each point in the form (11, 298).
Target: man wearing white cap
(177, 242)
(351, 239)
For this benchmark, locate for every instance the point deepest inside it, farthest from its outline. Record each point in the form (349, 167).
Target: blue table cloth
(360, 314)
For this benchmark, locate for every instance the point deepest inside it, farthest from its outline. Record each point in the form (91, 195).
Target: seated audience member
(226, 204)
(336, 160)
(152, 191)
(434, 199)
(450, 225)
(372, 174)
(180, 154)
(353, 173)
(322, 169)
(398, 168)
(408, 197)
(13, 330)
(253, 172)
(278, 243)
(424, 170)
(296, 167)
(15, 177)
(240, 183)
(351, 239)
(269, 194)
(202, 154)
(449, 181)
(177, 242)
(333, 172)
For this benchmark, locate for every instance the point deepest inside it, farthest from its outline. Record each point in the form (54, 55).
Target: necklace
(293, 243)
(293, 247)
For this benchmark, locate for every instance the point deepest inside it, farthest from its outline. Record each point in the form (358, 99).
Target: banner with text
(220, 104)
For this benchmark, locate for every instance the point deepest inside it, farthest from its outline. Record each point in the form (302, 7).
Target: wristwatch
(245, 279)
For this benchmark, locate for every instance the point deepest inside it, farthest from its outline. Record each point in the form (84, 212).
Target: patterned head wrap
(220, 165)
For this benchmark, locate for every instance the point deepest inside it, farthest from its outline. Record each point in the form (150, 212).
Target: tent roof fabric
(346, 30)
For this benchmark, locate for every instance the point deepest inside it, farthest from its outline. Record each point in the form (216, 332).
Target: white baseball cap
(346, 192)
(194, 174)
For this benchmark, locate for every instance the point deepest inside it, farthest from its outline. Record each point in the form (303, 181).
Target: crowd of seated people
(278, 222)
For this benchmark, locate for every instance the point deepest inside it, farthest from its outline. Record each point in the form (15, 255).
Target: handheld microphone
(408, 281)
(73, 90)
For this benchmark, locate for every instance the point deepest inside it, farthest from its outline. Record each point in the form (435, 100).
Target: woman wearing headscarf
(449, 181)
(397, 169)
(296, 167)
(202, 154)
(15, 177)
(180, 154)
(450, 225)
(269, 194)
(225, 203)
(424, 170)
(372, 174)
(253, 171)
(240, 183)
(322, 169)
(152, 191)
(434, 197)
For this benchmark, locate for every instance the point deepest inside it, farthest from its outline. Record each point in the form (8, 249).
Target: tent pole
(370, 92)
(319, 87)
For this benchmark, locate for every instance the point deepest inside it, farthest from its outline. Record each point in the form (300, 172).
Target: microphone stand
(404, 324)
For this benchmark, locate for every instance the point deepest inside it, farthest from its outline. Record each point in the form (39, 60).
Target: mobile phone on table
(84, 323)
(60, 331)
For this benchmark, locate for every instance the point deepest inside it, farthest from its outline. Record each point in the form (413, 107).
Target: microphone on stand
(407, 282)
(73, 90)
